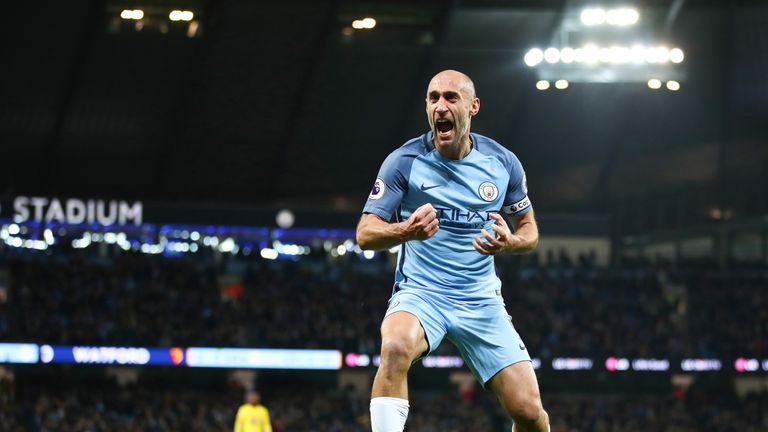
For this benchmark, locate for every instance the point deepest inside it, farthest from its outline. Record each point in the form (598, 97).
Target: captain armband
(517, 207)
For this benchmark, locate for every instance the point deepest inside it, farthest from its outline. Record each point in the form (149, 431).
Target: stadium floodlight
(132, 14)
(673, 85)
(542, 84)
(591, 54)
(561, 84)
(365, 23)
(552, 55)
(663, 54)
(268, 253)
(676, 55)
(593, 16)
(533, 57)
(622, 17)
(656, 55)
(604, 55)
(179, 15)
(567, 55)
(654, 83)
(620, 55)
(637, 54)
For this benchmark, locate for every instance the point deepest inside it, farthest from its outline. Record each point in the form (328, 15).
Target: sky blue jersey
(489, 179)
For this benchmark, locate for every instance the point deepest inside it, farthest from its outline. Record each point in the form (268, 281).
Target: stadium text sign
(75, 211)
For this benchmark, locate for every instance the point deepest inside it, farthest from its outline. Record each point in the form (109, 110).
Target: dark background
(271, 104)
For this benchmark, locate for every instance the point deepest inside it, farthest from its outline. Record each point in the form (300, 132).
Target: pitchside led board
(312, 359)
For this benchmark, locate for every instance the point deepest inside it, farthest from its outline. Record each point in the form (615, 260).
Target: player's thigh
(487, 340)
(518, 390)
(403, 333)
(415, 321)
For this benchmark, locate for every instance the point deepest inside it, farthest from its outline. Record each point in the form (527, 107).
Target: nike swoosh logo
(522, 347)
(426, 188)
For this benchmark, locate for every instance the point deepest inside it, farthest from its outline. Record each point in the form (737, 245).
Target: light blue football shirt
(490, 179)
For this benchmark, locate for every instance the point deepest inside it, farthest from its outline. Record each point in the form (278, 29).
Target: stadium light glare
(48, 235)
(567, 55)
(637, 54)
(654, 83)
(132, 14)
(365, 23)
(591, 54)
(369, 23)
(663, 54)
(369, 254)
(673, 85)
(676, 55)
(542, 85)
(561, 84)
(533, 57)
(179, 15)
(622, 17)
(620, 55)
(268, 253)
(593, 16)
(228, 245)
(552, 55)
(578, 55)
(604, 55)
(651, 55)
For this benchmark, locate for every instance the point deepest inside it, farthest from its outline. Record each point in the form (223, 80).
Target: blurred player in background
(252, 416)
(446, 190)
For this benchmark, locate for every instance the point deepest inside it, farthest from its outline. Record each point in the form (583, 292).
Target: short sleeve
(390, 185)
(516, 202)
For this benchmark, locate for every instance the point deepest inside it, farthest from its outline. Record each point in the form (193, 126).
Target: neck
(455, 152)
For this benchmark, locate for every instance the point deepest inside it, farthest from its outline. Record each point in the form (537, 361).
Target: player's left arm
(524, 239)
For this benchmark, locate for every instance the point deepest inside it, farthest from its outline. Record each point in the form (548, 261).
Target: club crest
(488, 191)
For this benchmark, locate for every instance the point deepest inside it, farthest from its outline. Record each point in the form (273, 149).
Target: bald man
(440, 198)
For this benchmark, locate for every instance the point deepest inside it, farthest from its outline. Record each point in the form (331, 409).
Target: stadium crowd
(561, 308)
(107, 407)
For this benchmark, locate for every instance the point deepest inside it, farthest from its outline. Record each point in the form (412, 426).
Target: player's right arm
(375, 233)
(374, 230)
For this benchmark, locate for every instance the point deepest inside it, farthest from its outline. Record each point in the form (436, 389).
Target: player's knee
(396, 355)
(526, 410)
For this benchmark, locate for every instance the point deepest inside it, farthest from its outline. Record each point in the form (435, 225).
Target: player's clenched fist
(423, 223)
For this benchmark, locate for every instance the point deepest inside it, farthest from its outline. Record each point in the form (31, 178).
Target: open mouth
(443, 126)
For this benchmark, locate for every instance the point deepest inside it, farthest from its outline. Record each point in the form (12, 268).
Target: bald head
(451, 103)
(459, 79)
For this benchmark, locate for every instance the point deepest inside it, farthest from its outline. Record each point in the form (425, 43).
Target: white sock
(388, 414)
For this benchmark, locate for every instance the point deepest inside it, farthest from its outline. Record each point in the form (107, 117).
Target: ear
(475, 108)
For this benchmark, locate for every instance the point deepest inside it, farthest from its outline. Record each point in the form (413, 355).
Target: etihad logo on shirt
(462, 218)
